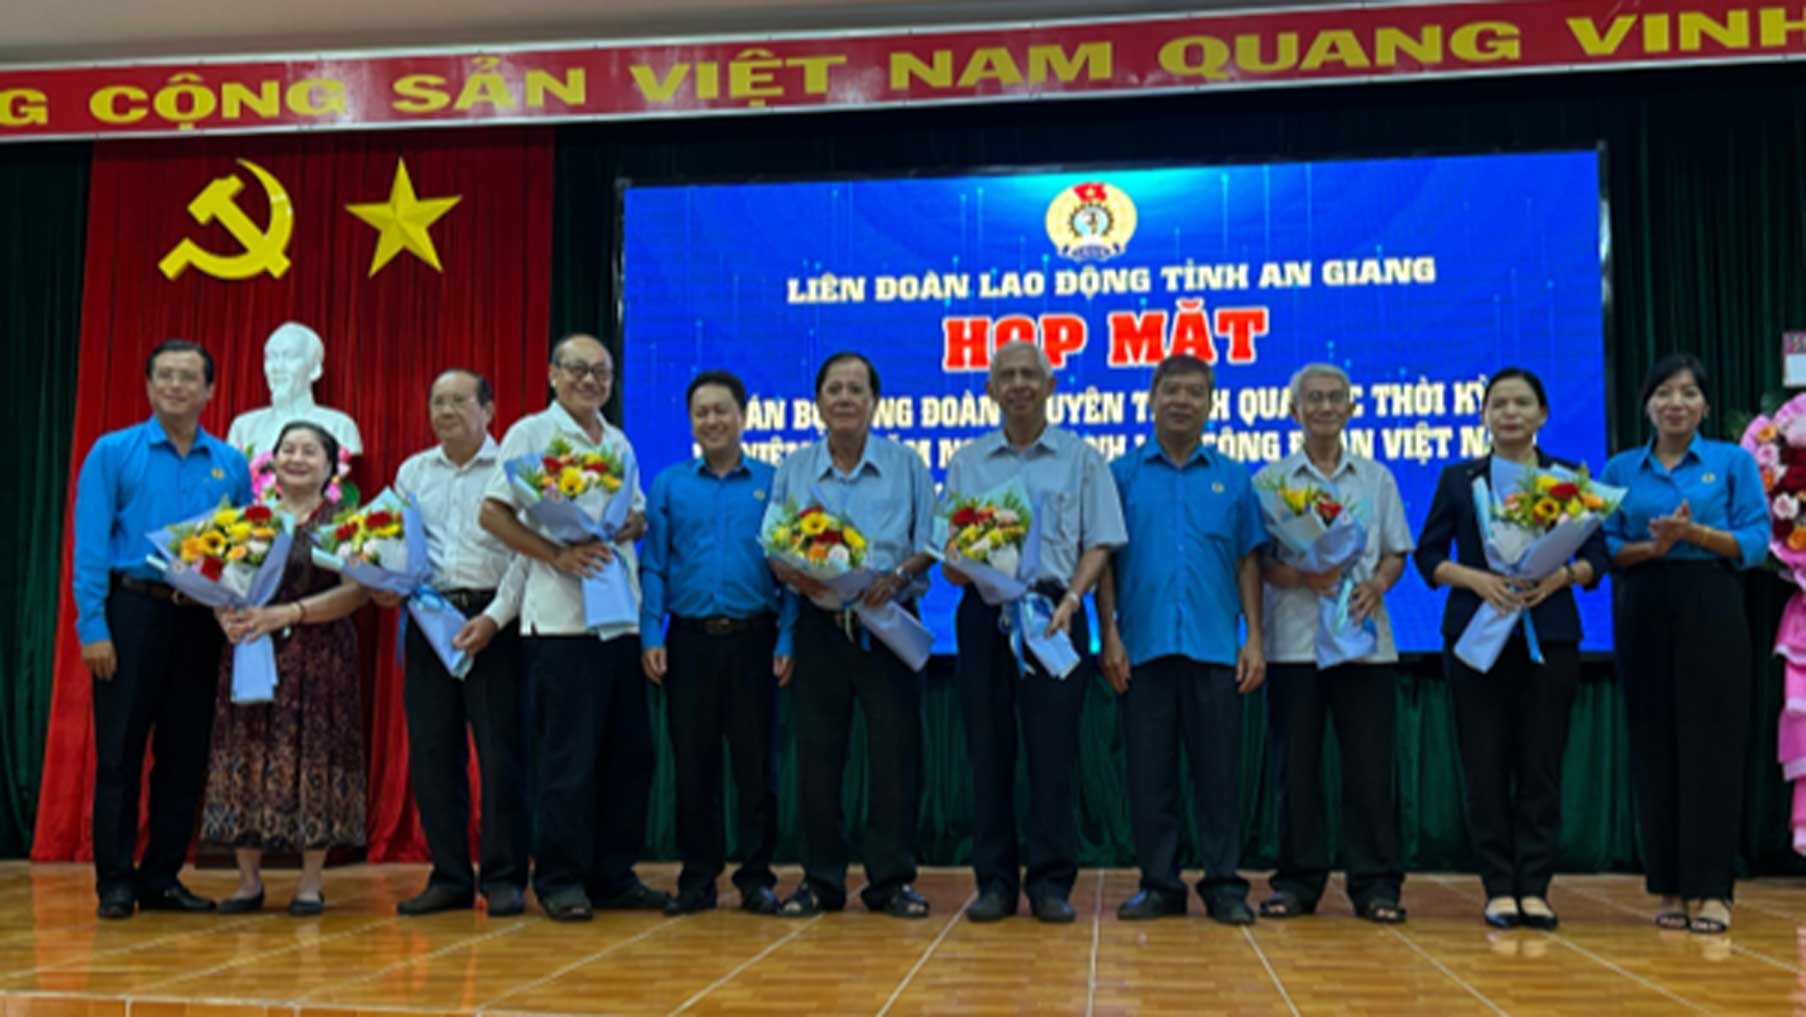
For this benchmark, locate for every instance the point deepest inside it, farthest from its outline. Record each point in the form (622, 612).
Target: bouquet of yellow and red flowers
(1318, 532)
(988, 531)
(815, 542)
(231, 558)
(829, 549)
(574, 474)
(576, 496)
(994, 541)
(382, 546)
(1543, 500)
(1529, 532)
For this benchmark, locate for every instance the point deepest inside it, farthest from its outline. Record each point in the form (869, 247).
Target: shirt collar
(568, 424)
(1300, 462)
(865, 461)
(1152, 451)
(700, 466)
(998, 442)
(153, 428)
(1695, 452)
(486, 453)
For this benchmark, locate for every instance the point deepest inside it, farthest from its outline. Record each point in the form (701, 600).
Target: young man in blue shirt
(727, 650)
(154, 654)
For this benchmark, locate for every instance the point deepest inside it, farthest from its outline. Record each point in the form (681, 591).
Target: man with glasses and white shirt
(588, 696)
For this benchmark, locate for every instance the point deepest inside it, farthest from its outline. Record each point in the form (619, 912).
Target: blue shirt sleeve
(1747, 508)
(1616, 527)
(654, 558)
(95, 495)
(240, 472)
(786, 624)
(1250, 525)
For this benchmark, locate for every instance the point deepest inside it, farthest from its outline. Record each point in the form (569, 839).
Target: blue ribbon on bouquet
(439, 621)
(1490, 629)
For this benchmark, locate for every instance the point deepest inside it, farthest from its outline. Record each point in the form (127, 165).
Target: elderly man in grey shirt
(1359, 694)
(1080, 523)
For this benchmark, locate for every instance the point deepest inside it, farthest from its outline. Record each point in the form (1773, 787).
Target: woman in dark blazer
(1511, 723)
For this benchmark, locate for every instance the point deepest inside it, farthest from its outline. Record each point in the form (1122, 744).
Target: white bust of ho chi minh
(292, 360)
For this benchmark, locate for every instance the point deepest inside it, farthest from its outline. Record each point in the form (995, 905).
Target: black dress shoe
(1053, 910)
(638, 897)
(568, 906)
(434, 899)
(302, 907)
(241, 905)
(114, 906)
(990, 907)
(1230, 911)
(174, 898)
(506, 901)
(1150, 904)
(760, 900)
(690, 903)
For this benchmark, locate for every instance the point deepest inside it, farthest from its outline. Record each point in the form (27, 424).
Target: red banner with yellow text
(628, 80)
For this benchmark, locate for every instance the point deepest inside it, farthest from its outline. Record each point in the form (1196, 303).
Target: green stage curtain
(43, 215)
(1706, 173)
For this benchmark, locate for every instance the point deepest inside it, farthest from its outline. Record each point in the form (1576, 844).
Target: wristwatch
(903, 575)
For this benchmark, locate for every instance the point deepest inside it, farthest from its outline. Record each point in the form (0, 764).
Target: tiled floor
(58, 960)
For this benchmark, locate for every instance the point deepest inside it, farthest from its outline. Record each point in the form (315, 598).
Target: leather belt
(156, 591)
(720, 625)
(468, 601)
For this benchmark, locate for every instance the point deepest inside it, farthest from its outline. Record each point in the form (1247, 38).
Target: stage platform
(361, 960)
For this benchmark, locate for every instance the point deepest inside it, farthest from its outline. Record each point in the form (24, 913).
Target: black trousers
(489, 702)
(832, 672)
(162, 693)
(996, 696)
(1174, 701)
(1363, 700)
(1512, 727)
(716, 686)
(1684, 661)
(593, 760)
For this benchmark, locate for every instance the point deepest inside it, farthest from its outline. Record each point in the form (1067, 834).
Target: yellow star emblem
(402, 221)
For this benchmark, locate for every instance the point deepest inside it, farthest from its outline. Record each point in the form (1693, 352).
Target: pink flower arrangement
(1779, 445)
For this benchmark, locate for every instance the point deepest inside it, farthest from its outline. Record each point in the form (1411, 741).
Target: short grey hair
(1316, 370)
(1040, 358)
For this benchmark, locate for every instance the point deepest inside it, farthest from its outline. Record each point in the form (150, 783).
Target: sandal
(905, 903)
(1673, 915)
(1284, 905)
(1706, 925)
(803, 904)
(1382, 912)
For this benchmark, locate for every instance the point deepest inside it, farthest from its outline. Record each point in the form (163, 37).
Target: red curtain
(387, 336)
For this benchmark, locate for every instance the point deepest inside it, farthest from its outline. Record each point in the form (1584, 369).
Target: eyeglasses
(171, 376)
(600, 372)
(1336, 397)
(457, 402)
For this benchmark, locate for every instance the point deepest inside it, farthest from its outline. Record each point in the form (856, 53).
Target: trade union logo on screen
(1090, 222)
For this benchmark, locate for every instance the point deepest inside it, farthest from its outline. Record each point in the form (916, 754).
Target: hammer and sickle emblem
(263, 248)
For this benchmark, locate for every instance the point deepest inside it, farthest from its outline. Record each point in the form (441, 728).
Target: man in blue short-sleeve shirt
(1170, 610)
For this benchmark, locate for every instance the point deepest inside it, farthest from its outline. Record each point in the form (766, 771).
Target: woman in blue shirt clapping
(1694, 515)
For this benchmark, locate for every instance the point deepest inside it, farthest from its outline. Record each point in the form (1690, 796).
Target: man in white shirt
(1360, 695)
(471, 569)
(592, 737)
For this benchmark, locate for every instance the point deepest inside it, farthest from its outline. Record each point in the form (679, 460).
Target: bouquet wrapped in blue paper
(382, 546)
(831, 551)
(1530, 529)
(575, 497)
(994, 540)
(231, 558)
(1322, 532)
